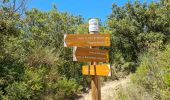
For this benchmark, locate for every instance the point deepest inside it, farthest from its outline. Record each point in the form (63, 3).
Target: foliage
(132, 92)
(136, 28)
(29, 88)
(35, 65)
(67, 89)
(33, 61)
(151, 79)
(153, 74)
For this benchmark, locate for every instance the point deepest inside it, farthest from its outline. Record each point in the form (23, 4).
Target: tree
(33, 60)
(136, 28)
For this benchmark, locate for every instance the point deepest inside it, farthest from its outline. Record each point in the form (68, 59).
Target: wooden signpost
(95, 80)
(90, 55)
(102, 70)
(80, 40)
(86, 50)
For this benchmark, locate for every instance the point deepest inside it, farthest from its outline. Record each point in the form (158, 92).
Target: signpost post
(95, 82)
(86, 50)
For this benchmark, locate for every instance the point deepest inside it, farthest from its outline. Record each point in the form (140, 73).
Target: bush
(151, 80)
(40, 84)
(154, 74)
(31, 87)
(67, 89)
(132, 92)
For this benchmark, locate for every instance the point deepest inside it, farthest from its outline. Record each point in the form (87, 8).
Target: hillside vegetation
(151, 80)
(34, 65)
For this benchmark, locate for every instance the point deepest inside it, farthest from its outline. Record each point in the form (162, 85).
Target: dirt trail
(108, 89)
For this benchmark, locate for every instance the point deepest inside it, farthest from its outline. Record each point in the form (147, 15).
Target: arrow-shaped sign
(90, 55)
(86, 40)
(102, 70)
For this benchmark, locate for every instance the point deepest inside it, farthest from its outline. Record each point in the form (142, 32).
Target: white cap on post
(93, 25)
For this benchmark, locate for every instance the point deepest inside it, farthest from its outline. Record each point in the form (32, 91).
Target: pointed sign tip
(65, 45)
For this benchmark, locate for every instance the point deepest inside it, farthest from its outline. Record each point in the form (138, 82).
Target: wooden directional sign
(102, 70)
(90, 55)
(86, 40)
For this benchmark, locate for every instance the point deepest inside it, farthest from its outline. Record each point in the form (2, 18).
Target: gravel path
(108, 89)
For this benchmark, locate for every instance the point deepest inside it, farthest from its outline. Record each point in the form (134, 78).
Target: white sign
(93, 25)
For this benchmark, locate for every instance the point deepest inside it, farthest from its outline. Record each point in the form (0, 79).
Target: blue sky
(86, 8)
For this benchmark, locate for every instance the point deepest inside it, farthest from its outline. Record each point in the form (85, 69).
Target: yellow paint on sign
(90, 55)
(80, 40)
(102, 70)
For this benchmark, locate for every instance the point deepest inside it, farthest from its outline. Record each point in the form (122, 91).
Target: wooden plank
(102, 70)
(86, 40)
(90, 55)
(95, 80)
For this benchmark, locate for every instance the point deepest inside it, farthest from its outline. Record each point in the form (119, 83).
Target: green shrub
(31, 87)
(153, 74)
(132, 92)
(67, 89)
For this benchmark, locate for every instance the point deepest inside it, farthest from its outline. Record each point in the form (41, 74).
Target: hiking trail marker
(86, 50)
(84, 54)
(81, 40)
(102, 70)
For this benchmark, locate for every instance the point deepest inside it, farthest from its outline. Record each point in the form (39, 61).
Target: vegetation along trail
(35, 63)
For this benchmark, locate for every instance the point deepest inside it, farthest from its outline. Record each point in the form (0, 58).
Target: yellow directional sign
(86, 40)
(83, 54)
(102, 70)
